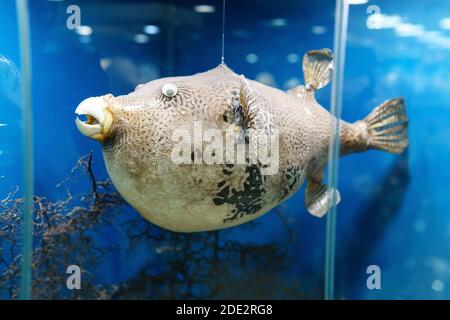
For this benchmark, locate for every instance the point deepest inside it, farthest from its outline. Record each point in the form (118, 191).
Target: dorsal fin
(300, 91)
(317, 68)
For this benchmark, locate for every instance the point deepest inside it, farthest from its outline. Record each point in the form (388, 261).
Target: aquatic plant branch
(71, 231)
(92, 176)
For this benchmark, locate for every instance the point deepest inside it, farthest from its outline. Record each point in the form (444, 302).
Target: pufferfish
(136, 132)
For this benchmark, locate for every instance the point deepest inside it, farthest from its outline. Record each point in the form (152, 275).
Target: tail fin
(387, 126)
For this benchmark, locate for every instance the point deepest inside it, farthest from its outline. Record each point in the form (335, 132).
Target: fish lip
(95, 108)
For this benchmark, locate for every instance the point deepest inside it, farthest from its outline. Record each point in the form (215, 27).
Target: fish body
(155, 140)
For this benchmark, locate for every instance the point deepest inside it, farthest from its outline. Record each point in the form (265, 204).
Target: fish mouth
(97, 118)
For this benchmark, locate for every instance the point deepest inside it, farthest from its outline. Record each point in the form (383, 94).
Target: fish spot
(292, 175)
(246, 201)
(227, 172)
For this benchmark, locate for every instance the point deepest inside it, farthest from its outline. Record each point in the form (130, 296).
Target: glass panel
(393, 219)
(23, 21)
(82, 226)
(334, 147)
(15, 182)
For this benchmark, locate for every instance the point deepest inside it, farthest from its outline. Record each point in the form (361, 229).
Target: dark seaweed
(198, 265)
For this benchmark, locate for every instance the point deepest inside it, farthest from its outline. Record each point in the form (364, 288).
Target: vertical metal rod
(340, 38)
(28, 175)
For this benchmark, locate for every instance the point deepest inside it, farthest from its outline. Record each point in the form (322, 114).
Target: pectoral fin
(258, 122)
(318, 199)
(317, 68)
(250, 100)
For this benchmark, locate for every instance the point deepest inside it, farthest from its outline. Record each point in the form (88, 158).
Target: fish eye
(169, 90)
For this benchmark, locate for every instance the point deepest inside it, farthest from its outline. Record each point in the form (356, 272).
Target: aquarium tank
(67, 233)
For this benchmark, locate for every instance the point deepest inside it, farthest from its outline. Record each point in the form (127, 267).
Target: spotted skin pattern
(200, 197)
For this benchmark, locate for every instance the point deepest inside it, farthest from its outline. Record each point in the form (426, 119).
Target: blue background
(394, 211)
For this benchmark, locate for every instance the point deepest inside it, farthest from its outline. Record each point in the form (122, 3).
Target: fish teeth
(88, 129)
(94, 107)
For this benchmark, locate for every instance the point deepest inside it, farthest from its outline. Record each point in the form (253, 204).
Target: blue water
(394, 208)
